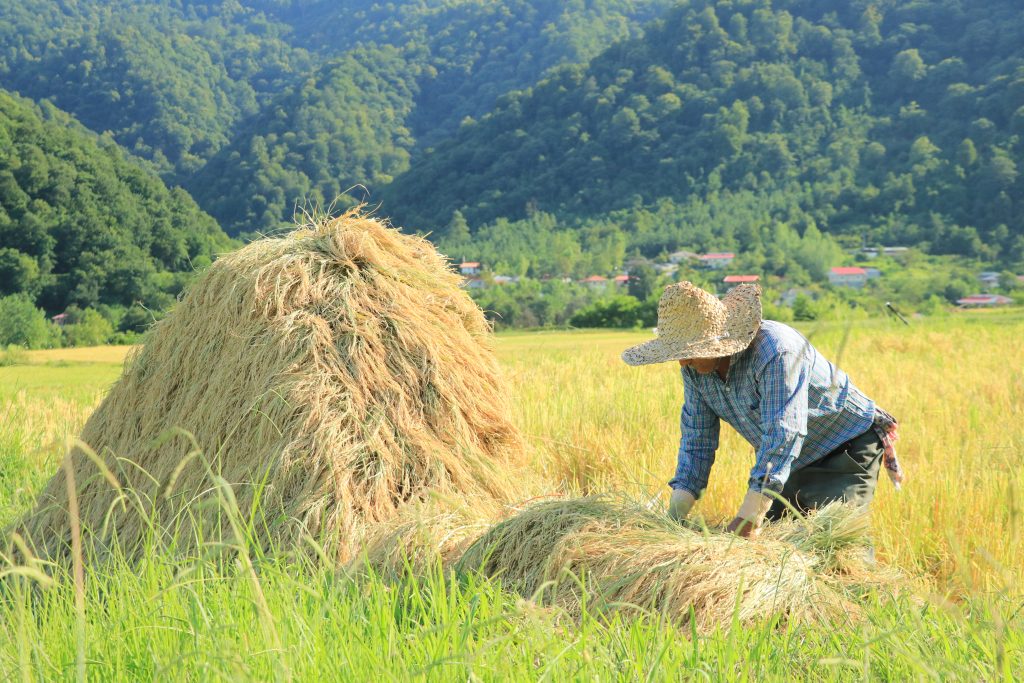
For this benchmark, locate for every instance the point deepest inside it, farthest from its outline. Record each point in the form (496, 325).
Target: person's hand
(680, 503)
(747, 522)
(743, 527)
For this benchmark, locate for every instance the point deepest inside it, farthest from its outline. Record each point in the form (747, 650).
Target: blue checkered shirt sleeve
(700, 427)
(784, 388)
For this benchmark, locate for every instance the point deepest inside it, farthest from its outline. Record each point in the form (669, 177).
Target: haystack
(327, 377)
(614, 555)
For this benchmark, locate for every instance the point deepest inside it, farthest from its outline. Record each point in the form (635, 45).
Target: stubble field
(593, 425)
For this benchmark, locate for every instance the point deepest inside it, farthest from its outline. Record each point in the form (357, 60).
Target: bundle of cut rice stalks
(306, 386)
(615, 555)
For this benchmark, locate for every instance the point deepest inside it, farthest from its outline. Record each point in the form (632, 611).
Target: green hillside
(82, 224)
(475, 50)
(548, 139)
(169, 80)
(342, 127)
(898, 121)
(189, 86)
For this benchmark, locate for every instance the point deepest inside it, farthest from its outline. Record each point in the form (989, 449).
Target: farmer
(818, 438)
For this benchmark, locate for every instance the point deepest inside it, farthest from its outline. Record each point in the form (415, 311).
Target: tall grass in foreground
(161, 622)
(594, 425)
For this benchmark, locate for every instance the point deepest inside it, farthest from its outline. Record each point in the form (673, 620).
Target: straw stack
(306, 386)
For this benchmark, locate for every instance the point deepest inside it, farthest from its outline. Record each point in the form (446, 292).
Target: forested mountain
(343, 126)
(899, 120)
(169, 80)
(177, 82)
(548, 138)
(474, 50)
(81, 224)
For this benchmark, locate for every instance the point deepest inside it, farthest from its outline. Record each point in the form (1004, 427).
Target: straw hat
(693, 323)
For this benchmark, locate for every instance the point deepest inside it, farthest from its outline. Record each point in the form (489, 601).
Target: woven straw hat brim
(744, 309)
(658, 351)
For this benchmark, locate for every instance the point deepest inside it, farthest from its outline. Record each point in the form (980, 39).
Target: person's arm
(783, 411)
(699, 428)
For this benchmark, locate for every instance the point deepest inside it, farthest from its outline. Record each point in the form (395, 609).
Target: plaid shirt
(782, 396)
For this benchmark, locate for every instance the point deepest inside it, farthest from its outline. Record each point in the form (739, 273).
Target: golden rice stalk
(615, 555)
(328, 376)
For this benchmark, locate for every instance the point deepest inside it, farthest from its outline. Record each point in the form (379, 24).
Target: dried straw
(326, 377)
(615, 555)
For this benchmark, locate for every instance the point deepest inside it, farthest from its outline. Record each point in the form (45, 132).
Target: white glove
(755, 506)
(680, 503)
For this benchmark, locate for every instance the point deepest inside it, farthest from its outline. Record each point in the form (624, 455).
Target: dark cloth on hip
(848, 474)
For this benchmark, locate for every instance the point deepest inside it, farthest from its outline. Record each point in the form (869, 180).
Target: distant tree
(908, 67)
(86, 327)
(803, 308)
(22, 324)
(18, 272)
(618, 311)
(966, 153)
(643, 282)
(456, 239)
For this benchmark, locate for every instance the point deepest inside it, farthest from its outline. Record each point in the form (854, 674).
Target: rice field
(593, 425)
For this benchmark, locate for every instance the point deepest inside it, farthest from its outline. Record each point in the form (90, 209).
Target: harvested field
(955, 527)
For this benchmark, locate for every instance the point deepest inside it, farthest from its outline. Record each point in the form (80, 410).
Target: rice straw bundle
(423, 535)
(326, 378)
(617, 555)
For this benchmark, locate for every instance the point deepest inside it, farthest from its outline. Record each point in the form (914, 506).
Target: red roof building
(738, 279)
(985, 300)
(843, 276)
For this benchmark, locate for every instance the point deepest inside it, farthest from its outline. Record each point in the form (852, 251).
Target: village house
(788, 297)
(636, 262)
(989, 279)
(505, 279)
(984, 300)
(731, 281)
(874, 252)
(740, 279)
(682, 255)
(848, 277)
(718, 260)
(469, 268)
(595, 282)
(621, 280)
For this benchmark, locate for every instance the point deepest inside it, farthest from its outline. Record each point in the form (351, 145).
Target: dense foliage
(896, 121)
(342, 127)
(81, 224)
(547, 140)
(168, 79)
(210, 89)
(475, 50)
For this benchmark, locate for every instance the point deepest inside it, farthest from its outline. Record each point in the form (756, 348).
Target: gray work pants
(849, 473)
